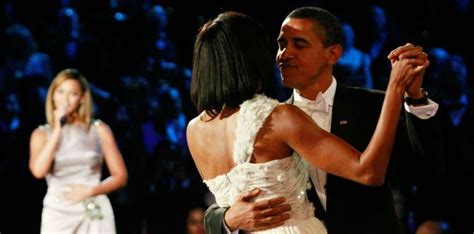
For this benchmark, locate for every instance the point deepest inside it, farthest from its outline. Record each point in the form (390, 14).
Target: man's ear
(335, 52)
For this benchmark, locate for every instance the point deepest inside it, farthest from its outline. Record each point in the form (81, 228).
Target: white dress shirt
(323, 119)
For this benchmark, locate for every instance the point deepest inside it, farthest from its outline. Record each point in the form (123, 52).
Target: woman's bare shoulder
(288, 111)
(39, 132)
(193, 124)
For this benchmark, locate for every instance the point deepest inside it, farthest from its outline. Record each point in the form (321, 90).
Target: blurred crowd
(137, 55)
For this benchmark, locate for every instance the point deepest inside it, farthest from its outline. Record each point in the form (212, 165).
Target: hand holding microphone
(63, 120)
(62, 114)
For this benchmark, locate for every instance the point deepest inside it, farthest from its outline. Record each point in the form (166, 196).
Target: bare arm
(42, 151)
(333, 155)
(114, 161)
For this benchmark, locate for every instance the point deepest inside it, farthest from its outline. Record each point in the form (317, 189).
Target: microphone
(63, 120)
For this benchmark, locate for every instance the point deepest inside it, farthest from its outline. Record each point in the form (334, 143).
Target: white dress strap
(250, 119)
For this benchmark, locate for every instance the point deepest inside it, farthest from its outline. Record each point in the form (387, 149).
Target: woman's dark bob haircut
(231, 63)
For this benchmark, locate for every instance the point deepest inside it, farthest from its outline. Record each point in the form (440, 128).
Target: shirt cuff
(423, 112)
(227, 229)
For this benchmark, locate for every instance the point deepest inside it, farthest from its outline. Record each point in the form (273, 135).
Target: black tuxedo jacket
(356, 208)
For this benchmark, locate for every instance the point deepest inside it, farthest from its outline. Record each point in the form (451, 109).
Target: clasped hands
(412, 54)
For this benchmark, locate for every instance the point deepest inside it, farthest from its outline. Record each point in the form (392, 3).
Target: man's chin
(287, 82)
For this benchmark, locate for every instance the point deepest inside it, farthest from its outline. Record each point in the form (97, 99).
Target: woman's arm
(42, 151)
(114, 161)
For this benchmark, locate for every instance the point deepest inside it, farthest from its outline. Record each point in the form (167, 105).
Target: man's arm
(214, 220)
(424, 132)
(247, 215)
(426, 140)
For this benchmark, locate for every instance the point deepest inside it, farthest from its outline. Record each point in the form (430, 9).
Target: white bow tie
(319, 104)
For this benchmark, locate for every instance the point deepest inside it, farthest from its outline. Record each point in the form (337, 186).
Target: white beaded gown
(78, 160)
(287, 177)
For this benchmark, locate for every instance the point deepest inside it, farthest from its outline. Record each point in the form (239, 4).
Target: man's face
(301, 55)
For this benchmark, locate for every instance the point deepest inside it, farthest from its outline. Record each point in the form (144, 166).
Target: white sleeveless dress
(78, 160)
(287, 177)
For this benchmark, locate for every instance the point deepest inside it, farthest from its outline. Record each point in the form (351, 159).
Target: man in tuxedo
(309, 45)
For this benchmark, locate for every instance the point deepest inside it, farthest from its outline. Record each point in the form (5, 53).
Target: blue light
(119, 16)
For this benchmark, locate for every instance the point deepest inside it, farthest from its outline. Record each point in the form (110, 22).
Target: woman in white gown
(69, 152)
(244, 140)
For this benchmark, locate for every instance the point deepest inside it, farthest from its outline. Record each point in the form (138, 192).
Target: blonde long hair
(85, 110)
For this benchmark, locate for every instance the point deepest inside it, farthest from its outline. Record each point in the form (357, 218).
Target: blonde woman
(69, 151)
